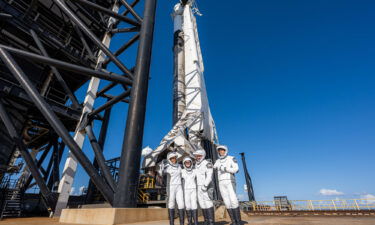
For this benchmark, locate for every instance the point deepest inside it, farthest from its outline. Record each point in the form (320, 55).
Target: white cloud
(370, 199)
(72, 190)
(330, 192)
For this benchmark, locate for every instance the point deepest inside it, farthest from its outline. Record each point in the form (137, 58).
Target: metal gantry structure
(249, 183)
(48, 50)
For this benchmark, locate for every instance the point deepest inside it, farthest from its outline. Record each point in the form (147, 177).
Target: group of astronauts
(188, 185)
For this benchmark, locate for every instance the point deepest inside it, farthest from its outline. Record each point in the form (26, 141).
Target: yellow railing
(143, 197)
(147, 182)
(312, 205)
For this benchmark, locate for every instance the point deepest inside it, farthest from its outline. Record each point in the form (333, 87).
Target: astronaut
(188, 175)
(204, 171)
(226, 167)
(174, 186)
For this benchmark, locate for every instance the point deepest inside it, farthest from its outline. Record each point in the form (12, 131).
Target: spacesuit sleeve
(209, 173)
(162, 169)
(233, 168)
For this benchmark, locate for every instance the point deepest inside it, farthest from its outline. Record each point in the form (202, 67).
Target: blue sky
(290, 83)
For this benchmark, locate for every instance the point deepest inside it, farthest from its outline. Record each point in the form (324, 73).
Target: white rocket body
(191, 105)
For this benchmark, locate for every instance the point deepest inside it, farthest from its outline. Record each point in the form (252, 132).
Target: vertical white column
(70, 167)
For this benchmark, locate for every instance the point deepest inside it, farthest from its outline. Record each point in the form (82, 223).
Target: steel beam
(100, 158)
(110, 103)
(131, 10)
(126, 192)
(70, 166)
(109, 12)
(59, 78)
(80, 70)
(48, 196)
(101, 141)
(91, 35)
(56, 124)
(39, 164)
(249, 184)
(122, 48)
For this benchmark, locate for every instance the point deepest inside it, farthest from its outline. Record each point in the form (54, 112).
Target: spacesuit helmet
(200, 152)
(186, 159)
(172, 155)
(222, 147)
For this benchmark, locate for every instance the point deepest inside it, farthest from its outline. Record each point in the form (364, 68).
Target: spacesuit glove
(160, 168)
(204, 188)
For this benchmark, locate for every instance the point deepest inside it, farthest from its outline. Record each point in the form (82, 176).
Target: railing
(143, 197)
(147, 183)
(311, 205)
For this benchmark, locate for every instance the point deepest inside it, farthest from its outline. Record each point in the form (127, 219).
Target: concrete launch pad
(110, 216)
(259, 220)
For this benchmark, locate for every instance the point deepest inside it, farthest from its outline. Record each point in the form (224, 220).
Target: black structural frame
(134, 82)
(249, 184)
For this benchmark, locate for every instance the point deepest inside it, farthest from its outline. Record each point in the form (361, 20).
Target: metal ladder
(12, 204)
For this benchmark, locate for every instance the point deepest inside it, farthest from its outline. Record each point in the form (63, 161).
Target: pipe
(126, 192)
(100, 158)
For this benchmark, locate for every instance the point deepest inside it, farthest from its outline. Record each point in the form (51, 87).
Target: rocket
(192, 119)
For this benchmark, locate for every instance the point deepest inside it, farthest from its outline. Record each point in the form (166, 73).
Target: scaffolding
(48, 50)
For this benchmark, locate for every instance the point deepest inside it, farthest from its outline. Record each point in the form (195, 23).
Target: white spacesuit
(226, 167)
(204, 171)
(174, 186)
(190, 190)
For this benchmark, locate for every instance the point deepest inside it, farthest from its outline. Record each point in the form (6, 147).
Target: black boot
(232, 217)
(181, 213)
(237, 215)
(195, 216)
(171, 216)
(189, 217)
(204, 211)
(211, 216)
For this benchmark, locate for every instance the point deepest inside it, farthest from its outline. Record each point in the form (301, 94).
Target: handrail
(312, 205)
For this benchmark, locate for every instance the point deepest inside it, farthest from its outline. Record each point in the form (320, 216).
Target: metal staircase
(12, 204)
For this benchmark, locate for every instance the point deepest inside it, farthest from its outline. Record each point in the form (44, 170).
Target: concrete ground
(260, 220)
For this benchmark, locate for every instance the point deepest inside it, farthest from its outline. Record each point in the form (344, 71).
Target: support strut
(48, 196)
(53, 120)
(127, 187)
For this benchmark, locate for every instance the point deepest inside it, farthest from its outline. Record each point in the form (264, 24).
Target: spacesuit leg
(180, 203)
(171, 202)
(171, 197)
(193, 205)
(187, 199)
(232, 196)
(193, 199)
(224, 194)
